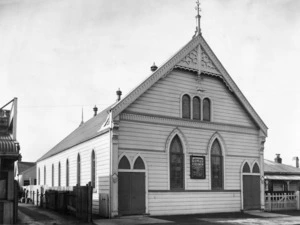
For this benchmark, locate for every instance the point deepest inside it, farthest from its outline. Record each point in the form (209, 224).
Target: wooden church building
(185, 140)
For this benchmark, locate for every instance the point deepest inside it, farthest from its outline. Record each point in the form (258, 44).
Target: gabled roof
(22, 166)
(196, 56)
(271, 167)
(84, 132)
(29, 169)
(189, 58)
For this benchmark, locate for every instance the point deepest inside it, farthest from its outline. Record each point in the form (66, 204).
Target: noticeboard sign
(197, 167)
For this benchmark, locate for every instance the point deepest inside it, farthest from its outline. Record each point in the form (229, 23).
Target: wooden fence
(281, 201)
(75, 200)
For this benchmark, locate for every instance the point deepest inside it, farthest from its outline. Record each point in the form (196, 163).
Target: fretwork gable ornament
(190, 62)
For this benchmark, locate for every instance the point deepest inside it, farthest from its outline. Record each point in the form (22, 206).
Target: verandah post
(297, 200)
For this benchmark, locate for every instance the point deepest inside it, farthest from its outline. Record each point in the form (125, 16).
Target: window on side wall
(78, 170)
(93, 169)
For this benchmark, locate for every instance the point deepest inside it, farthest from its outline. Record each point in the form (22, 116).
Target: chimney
(95, 110)
(19, 157)
(153, 67)
(278, 159)
(297, 161)
(119, 93)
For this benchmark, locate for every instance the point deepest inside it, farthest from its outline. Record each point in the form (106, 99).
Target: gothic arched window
(139, 164)
(93, 168)
(246, 168)
(59, 174)
(52, 175)
(78, 169)
(255, 168)
(67, 173)
(216, 166)
(124, 163)
(39, 176)
(176, 164)
(44, 175)
(186, 107)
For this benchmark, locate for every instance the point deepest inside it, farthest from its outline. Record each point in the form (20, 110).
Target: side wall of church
(101, 146)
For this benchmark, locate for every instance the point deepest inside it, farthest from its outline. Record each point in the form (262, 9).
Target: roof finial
(198, 17)
(81, 118)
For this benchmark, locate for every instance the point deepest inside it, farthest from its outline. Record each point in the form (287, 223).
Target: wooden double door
(251, 189)
(132, 193)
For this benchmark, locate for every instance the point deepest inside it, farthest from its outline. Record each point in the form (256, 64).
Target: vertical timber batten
(114, 167)
(262, 139)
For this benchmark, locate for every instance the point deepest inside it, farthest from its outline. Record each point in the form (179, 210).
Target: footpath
(30, 214)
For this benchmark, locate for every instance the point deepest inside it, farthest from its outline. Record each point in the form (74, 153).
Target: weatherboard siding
(164, 98)
(101, 146)
(193, 202)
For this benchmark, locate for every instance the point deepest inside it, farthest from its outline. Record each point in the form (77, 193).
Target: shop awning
(282, 177)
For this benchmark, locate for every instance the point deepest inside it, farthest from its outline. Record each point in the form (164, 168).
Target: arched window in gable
(39, 176)
(59, 174)
(206, 110)
(67, 173)
(255, 168)
(44, 175)
(176, 164)
(78, 169)
(216, 166)
(52, 175)
(139, 164)
(186, 107)
(93, 169)
(246, 168)
(124, 163)
(196, 108)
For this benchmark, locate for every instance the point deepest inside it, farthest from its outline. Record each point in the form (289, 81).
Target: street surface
(29, 214)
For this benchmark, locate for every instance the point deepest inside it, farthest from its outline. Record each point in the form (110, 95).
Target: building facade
(281, 178)
(25, 173)
(9, 153)
(186, 140)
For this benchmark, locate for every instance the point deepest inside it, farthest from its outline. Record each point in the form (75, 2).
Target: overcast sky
(58, 56)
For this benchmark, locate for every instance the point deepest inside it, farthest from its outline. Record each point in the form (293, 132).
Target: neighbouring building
(280, 177)
(25, 173)
(185, 140)
(9, 153)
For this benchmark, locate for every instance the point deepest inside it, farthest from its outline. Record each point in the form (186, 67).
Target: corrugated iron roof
(8, 145)
(84, 132)
(271, 167)
(282, 177)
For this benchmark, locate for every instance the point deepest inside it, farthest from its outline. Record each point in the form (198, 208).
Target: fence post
(285, 201)
(37, 197)
(77, 201)
(297, 200)
(89, 202)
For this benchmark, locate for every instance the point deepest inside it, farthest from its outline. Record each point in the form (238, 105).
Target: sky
(61, 56)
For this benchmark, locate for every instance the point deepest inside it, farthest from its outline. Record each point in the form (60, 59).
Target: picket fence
(282, 201)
